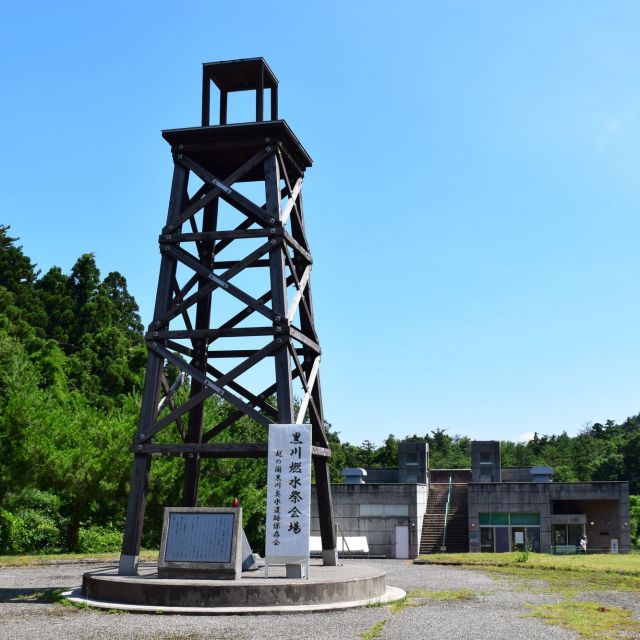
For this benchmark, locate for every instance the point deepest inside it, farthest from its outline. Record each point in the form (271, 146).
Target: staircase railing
(446, 516)
(344, 540)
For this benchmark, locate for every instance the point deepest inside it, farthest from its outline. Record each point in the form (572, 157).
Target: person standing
(583, 545)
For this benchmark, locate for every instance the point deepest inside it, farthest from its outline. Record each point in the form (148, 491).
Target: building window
(486, 539)
(501, 532)
(494, 518)
(486, 466)
(383, 510)
(524, 518)
(566, 538)
(411, 466)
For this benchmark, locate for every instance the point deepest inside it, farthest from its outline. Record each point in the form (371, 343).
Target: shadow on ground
(31, 596)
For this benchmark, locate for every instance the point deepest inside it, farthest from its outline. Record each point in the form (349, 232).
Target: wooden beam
(230, 264)
(151, 431)
(231, 332)
(257, 401)
(180, 348)
(302, 284)
(205, 450)
(221, 282)
(274, 102)
(284, 393)
(216, 450)
(227, 275)
(291, 202)
(311, 381)
(297, 206)
(182, 376)
(230, 195)
(206, 98)
(298, 335)
(292, 242)
(202, 321)
(250, 361)
(209, 384)
(180, 293)
(233, 177)
(245, 313)
(233, 234)
(260, 94)
(237, 353)
(223, 107)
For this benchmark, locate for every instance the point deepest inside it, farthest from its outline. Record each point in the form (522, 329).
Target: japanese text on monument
(288, 491)
(199, 537)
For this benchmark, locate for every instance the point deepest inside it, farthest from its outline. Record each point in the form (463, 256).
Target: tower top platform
(240, 75)
(247, 74)
(223, 148)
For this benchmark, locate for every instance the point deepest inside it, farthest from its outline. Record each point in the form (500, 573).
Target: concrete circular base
(327, 588)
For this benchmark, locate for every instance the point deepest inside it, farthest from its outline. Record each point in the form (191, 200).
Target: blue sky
(472, 208)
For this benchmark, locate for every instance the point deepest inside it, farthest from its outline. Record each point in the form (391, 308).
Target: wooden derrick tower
(233, 295)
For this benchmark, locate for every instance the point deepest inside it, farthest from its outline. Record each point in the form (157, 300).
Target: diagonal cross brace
(216, 188)
(228, 194)
(220, 281)
(211, 286)
(208, 384)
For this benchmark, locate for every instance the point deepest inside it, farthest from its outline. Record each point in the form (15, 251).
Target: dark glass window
(486, 539)
(502, 539)
(525, 518)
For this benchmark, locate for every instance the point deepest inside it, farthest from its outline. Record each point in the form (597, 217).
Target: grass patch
(566, 575)
(420, 597)
(443, 596)
(588, 619)
(373, 632)
(627, 564)
(69, 558)
(398, 605)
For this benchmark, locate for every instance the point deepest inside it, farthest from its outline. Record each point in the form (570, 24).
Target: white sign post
(289, 498)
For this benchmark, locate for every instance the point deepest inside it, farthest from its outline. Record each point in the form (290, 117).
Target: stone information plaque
(201, 543)
(199, 537)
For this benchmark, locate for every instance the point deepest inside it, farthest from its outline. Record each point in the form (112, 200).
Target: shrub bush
(98, 539)
(30, 522)
(29, 531)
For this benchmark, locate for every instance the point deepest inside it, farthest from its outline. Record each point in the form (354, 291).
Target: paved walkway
(495, 612)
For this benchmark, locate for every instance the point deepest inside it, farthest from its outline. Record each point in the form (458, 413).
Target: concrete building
(410, 509)
(385, 505)
(515, 508)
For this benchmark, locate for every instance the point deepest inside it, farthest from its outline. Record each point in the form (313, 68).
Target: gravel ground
(496, 612)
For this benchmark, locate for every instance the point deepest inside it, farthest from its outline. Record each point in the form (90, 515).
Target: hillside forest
(72, 360)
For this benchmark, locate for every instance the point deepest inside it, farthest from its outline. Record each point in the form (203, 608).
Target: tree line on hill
(72, 360)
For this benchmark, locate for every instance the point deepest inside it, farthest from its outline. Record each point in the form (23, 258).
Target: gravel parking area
(495, 611)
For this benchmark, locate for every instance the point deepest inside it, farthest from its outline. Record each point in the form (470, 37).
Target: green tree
(634, 523)
(18, 275)
(387, 454)
(54, 289)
